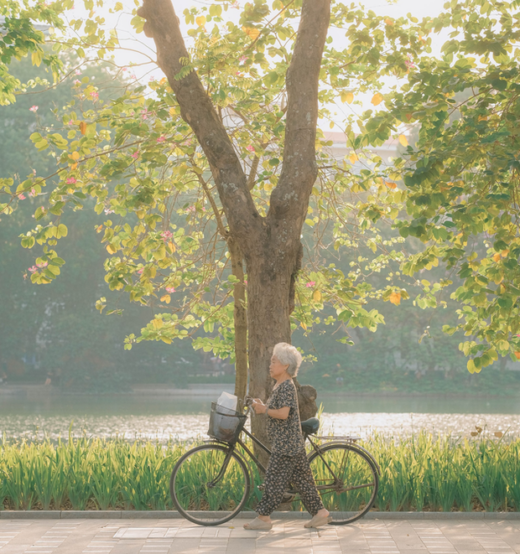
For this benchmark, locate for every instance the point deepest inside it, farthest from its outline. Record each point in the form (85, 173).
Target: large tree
(270, 245)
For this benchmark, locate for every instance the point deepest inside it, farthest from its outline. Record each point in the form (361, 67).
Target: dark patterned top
(285, 434)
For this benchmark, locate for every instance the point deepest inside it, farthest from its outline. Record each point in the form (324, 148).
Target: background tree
(462, 175)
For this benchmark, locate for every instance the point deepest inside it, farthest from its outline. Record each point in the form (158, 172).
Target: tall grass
(417, 473)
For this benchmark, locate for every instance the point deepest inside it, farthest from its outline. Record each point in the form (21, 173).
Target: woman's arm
(261, 408)
(282, 413)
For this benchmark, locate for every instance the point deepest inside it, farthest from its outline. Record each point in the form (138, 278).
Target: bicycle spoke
(346, 481)
(344, 462)
(208, 486)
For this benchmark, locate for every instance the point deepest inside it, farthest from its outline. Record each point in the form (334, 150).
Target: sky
(149, 71)
(418, 8)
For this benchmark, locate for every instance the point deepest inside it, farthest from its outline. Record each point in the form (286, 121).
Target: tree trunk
(240, 320)
(271, 271)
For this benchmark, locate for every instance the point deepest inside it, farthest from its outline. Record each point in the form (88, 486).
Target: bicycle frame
(259, 464)
(316, 447)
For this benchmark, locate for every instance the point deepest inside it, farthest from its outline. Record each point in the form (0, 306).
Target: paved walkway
(286, 537)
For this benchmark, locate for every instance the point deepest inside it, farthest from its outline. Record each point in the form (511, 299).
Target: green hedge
(418, 473)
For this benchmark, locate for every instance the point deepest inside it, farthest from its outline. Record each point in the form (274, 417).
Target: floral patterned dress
(288, 462)
(285, 434)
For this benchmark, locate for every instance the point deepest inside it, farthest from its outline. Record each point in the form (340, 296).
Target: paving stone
(167, 536)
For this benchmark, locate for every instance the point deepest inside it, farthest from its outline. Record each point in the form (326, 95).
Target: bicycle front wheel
(210, 484)
(346, 479)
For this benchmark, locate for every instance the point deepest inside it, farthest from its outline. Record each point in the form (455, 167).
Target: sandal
(318, 521)
(258, 525)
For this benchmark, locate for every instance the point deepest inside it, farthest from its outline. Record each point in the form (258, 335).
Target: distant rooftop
(339, 148)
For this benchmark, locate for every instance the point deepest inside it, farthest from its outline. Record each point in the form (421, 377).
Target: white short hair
(288, 355)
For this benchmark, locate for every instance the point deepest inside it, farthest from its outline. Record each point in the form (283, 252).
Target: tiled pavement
(83, 536)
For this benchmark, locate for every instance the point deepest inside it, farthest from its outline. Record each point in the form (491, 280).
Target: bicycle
(214, 478)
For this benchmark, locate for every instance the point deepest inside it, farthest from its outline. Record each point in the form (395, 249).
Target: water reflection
(162, 418)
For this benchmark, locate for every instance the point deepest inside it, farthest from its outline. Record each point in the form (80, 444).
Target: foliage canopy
(135, 159)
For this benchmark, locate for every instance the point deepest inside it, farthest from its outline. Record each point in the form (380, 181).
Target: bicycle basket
(225, 424)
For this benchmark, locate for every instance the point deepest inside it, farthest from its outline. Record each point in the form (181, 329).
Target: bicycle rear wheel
(347, 481)
(210, 485)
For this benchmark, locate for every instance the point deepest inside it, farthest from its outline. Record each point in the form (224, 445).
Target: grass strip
(417, 473)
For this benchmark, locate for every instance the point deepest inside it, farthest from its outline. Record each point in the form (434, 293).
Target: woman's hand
(258, 406)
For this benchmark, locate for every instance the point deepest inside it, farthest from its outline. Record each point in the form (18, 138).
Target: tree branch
(198, 111)
(251, 180)
(299, 171)
(220, 225)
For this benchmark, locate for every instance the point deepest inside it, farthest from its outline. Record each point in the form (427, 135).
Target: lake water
(163, 417)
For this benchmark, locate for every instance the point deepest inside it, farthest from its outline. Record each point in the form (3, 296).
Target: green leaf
(61, 231)
(28, 242)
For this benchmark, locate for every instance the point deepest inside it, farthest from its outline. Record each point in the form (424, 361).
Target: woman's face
(276, 369)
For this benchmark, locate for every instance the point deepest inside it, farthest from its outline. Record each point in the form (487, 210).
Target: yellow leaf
(388, 21)
(167, 340)
(74, 166)
(403, 140)
(166, 298)
(353, 158)
(395, 298)
(331, 124)
(99, 229)
(83, 127)
(347, 97)
(172, 111)
(157, 323)
(303, 326)
(517, 354)
(160, 253)
(37, 57)
(316, 296)
(111, 249)
(496, 257)
(200, 21)
(504, 253)
(391, 185)
(172, 247)
(377, 99)
(162, 81)
(61, 231)
(471, 368)
(75, 156)
(251, 32)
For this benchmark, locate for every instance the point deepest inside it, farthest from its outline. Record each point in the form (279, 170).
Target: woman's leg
(279, 471)
(303, 479)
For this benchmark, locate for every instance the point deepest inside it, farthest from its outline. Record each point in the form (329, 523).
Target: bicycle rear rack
(338, 438)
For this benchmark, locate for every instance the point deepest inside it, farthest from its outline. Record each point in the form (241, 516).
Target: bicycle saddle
(310, 426)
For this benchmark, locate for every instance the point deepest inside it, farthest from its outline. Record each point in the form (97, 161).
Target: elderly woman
(288, 462)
